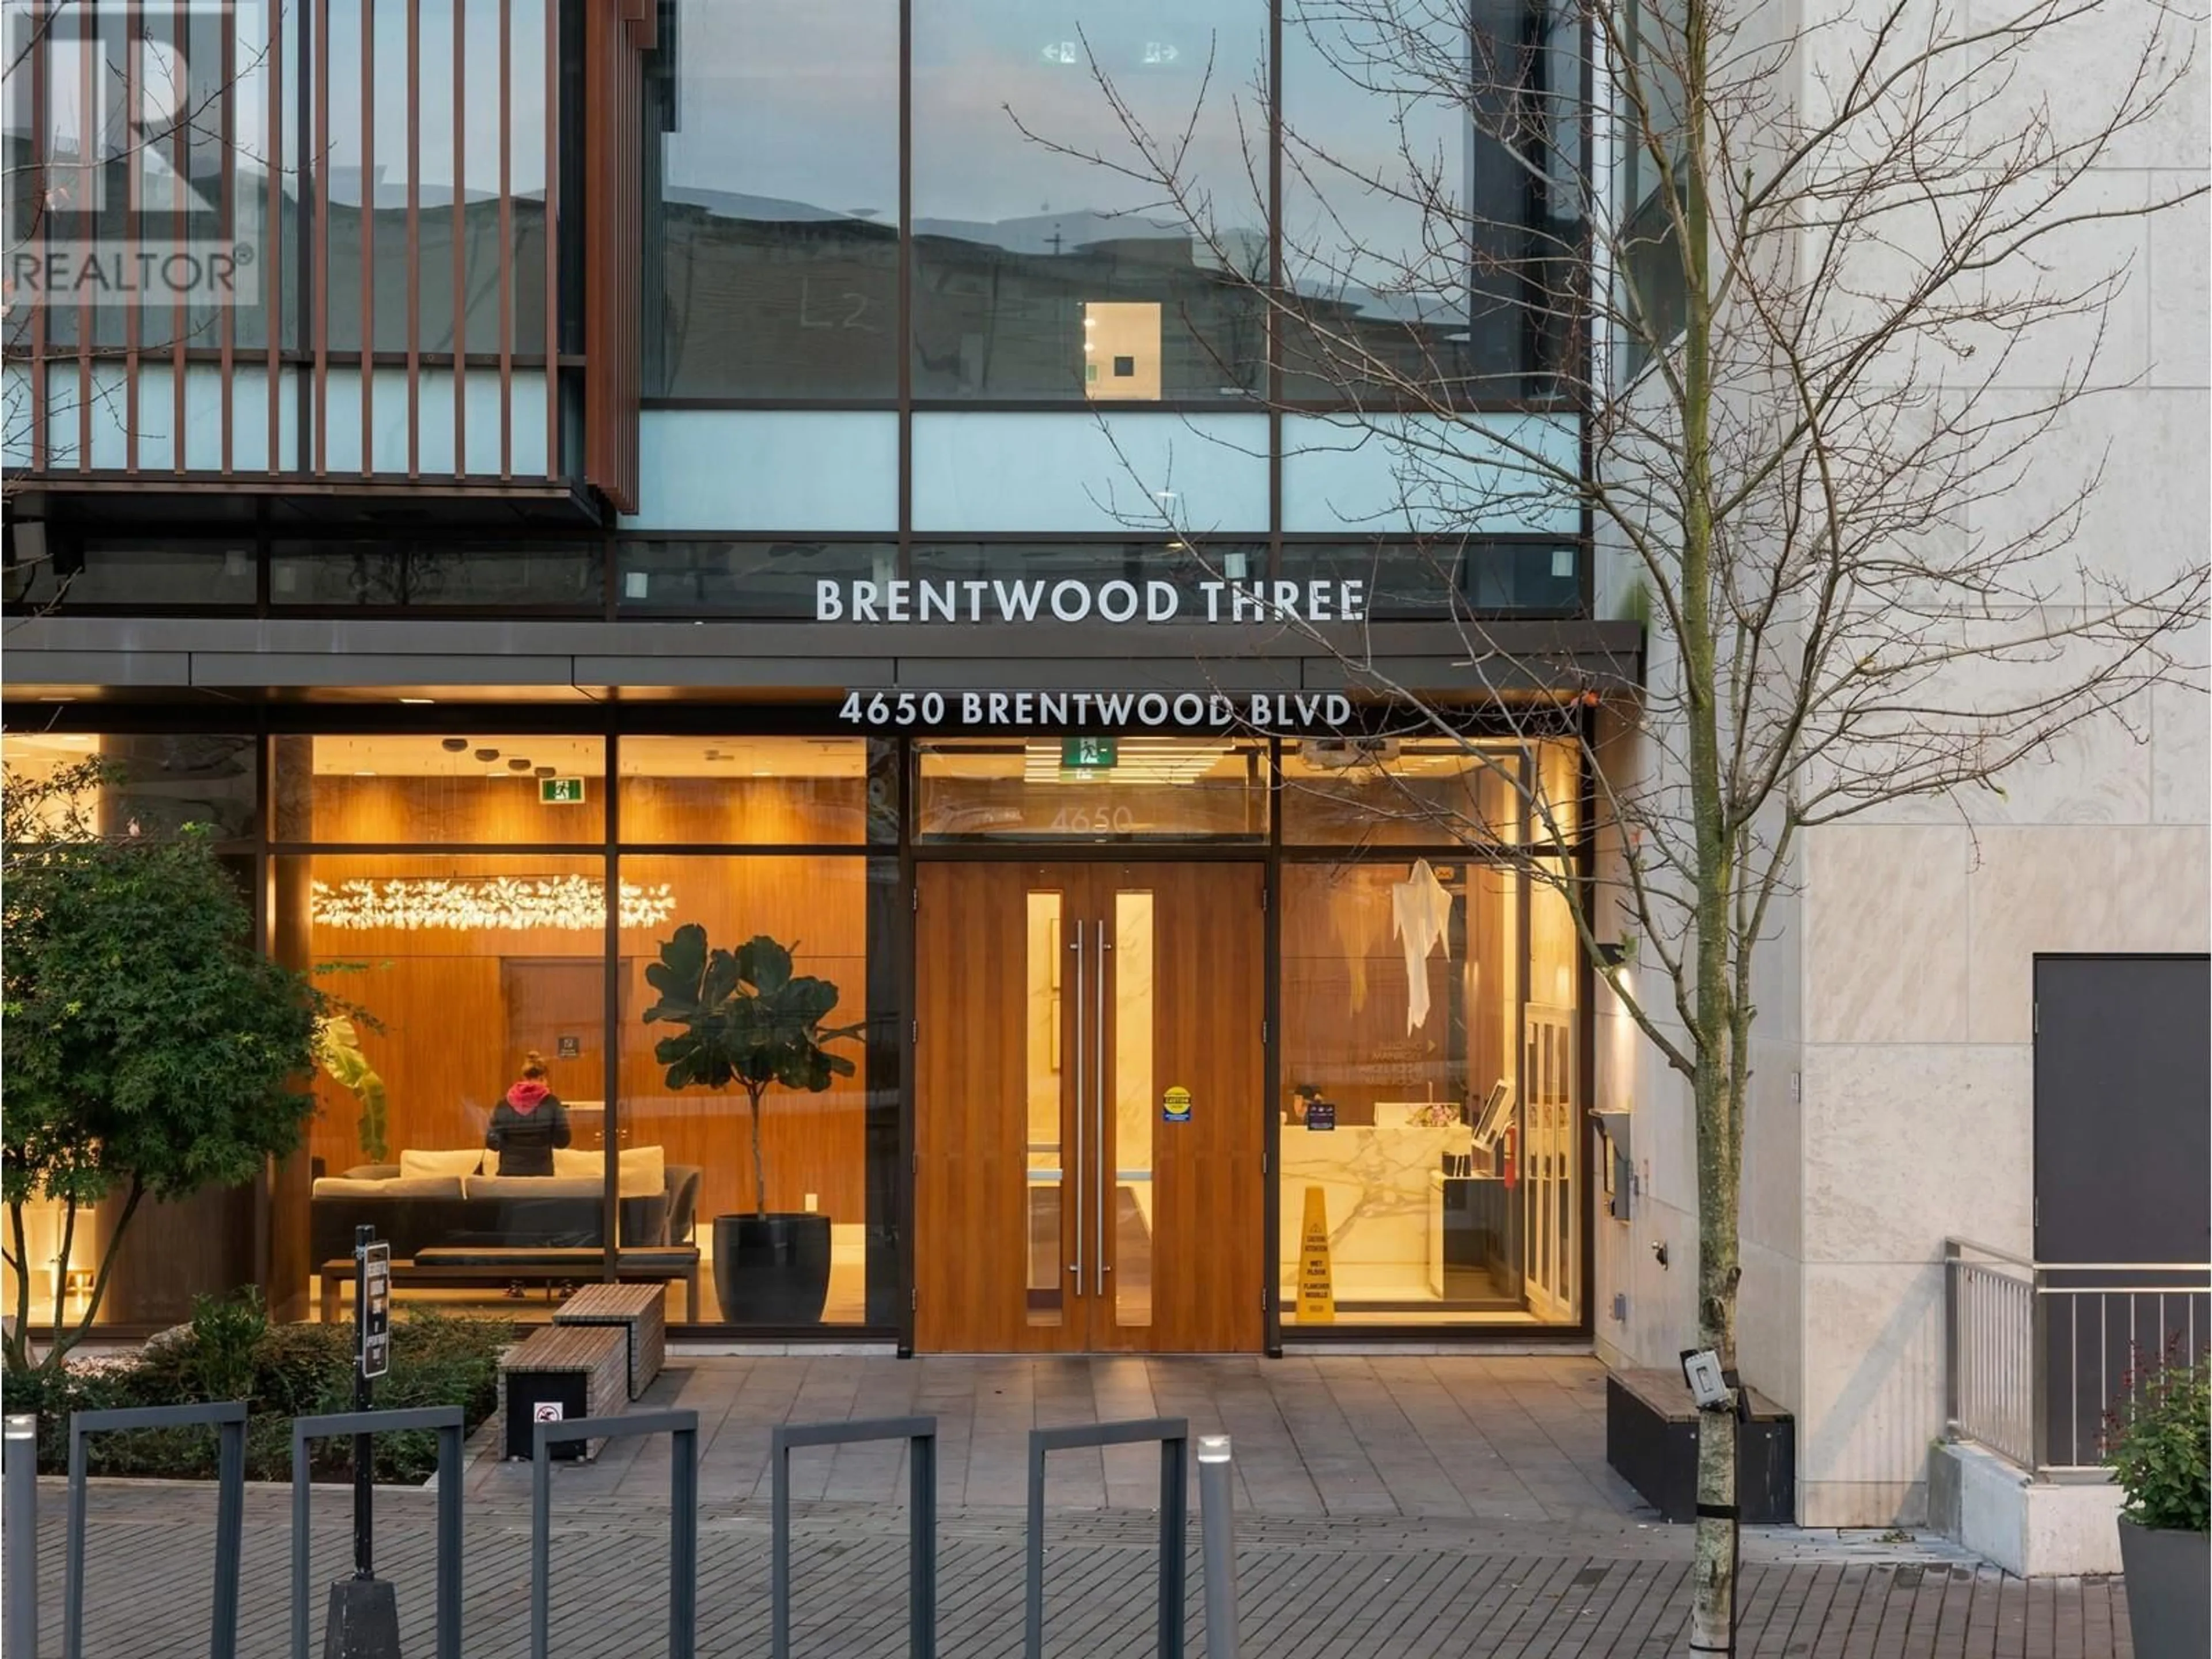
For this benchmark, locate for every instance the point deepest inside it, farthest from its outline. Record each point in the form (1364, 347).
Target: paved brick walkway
(1375, 1524)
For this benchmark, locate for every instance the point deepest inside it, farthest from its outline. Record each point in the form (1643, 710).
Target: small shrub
(2160, 1446)
(303, 1371)
(219, 1355)
(229, 1352)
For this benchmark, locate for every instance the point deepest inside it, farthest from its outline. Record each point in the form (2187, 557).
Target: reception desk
(1380, 1184)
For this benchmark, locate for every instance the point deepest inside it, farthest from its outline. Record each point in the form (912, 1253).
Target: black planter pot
(771, 1269)
(2169, 1589)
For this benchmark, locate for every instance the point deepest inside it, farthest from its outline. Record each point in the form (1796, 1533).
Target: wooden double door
(1091, 1120)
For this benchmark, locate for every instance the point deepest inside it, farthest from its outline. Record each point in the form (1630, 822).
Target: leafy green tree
(151, 1052)
(747, 1019)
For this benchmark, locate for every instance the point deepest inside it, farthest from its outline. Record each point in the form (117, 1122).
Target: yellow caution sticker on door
(1175, 1106)
(1316, 1293)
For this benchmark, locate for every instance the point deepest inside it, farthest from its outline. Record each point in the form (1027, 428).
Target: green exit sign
(560, 792)
(1086, 754)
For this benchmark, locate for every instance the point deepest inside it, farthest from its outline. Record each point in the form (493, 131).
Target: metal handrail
(2002, 1379)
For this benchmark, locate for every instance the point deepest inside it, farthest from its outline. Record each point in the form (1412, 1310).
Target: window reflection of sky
(790, 108)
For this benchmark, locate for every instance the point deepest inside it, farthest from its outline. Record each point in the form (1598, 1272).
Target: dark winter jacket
(526, 1127)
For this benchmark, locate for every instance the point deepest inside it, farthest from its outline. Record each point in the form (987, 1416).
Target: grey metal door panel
(2123, 1139)
(2123, 1108)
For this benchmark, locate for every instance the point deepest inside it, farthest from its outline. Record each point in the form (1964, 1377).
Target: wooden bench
(496, 1266)
(636, 1311)
(1652, 1442)
(576, 1371)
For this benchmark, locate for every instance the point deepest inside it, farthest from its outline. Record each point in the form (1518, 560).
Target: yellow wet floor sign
(1317, 1296)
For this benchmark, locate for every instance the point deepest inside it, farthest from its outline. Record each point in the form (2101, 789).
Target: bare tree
(1825, 292)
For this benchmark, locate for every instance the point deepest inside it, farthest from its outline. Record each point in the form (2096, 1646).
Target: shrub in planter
(2159, 1447)
(231, 1352)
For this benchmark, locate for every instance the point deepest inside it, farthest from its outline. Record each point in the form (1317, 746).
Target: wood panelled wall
(493, 812)
(1345, 992)
(454, 1034)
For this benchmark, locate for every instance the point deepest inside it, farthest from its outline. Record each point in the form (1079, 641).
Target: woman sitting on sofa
(529, 1123)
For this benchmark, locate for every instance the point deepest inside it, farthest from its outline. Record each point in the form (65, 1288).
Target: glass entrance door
(1090, 1116)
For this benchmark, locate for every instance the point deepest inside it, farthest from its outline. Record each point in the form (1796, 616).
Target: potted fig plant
(746, 1019)
(2159, 1447)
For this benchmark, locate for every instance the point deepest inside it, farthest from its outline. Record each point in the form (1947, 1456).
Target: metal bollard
(21, 1521)
(1218, 1545)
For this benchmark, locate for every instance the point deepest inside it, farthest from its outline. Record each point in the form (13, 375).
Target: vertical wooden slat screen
(181, 323)
(551, 237)
(593, 114)
(320, 310)
(506, 239)
(414, 239)
(134, 198)
(460, 245)
(369, 235)
(87, 91)
(39, 182)
(272, 263)
(618, 33)
(232, 227)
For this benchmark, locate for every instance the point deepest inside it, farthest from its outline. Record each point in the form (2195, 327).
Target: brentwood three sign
(1073, 601)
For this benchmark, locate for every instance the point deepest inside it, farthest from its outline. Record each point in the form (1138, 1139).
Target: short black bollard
(20, 1524)
(683, 1430)
(1218, 1545)
(921, 1434)
(363, 1621)
(227, 1418)
(1173, 1434)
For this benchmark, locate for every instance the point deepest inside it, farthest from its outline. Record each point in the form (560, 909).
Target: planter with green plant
(745, 1018)
(2159, 1447)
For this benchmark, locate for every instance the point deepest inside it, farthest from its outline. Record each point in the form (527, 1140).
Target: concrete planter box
(2169, 1591)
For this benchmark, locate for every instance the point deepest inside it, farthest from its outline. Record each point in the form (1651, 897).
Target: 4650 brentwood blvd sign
(1260, 711)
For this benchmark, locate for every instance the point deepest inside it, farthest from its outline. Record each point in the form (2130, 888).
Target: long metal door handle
(1072, 1174)
(1105, 1192)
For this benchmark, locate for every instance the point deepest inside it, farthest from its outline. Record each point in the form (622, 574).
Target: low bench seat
(635, 1311)
(1651, 1441)
(463, 1266)
(572, 1371)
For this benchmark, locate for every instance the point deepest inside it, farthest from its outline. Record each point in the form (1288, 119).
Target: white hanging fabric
(1421, 910)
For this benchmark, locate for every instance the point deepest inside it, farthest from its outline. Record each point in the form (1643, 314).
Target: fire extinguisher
(1509, 1155)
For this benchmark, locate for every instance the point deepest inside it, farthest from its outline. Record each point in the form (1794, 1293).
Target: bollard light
(20, 1532)
(1218, 1543)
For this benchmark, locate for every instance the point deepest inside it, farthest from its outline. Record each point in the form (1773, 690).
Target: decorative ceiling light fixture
(484, 903)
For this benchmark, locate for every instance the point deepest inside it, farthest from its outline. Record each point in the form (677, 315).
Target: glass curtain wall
(1417, 254)
(483, 1111)
(1430, 1132)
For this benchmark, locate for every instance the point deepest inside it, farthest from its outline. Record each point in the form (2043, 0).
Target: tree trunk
(19, 1337)
(760, 1166)
(106, 1268)
(1713, 1572)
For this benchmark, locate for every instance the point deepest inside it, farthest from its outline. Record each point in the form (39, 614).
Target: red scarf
(525, 1096)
